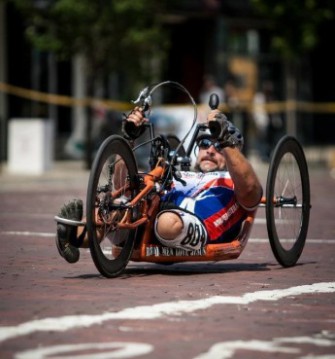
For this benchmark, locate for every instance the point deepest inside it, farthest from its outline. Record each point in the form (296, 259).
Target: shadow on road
(181, 269)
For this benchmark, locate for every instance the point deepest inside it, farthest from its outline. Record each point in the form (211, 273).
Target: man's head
(210, 157)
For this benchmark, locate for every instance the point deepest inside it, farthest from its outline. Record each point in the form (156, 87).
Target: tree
(294, 24)
(114, 36)
(293, 27)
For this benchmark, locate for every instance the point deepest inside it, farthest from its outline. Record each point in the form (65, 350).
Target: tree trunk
(291, 97)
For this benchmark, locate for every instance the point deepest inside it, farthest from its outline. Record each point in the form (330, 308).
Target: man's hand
(132, 124)
(217, 124)
(224, 130)
(137, 117)
(233, 137)
(214, 115)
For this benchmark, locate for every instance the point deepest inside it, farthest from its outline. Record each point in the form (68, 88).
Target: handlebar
(213, 101)
(144, 100)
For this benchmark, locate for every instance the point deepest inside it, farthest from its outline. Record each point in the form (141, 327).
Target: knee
(168, 225)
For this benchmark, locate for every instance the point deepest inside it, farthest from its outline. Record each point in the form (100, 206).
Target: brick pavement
(36, 284)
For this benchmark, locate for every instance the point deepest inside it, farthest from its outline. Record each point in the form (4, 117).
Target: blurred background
(75, 66)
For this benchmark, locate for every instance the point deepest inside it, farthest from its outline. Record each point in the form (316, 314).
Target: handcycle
(122, 201)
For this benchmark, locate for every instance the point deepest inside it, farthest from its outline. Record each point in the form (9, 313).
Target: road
(250, 307)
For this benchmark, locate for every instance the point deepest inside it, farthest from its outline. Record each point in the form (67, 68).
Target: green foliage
(294, 23)
(114, 35)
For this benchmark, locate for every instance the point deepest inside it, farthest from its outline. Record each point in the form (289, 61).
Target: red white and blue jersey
(210, 196)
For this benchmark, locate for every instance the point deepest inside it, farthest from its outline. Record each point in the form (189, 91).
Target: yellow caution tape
(62, 100)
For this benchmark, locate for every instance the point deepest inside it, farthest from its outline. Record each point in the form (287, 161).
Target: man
(210, 208)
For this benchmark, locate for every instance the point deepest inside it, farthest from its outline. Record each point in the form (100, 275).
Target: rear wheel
(112, 184)
(287, 201)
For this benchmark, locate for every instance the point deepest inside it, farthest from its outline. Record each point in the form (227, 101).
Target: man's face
(210, 159)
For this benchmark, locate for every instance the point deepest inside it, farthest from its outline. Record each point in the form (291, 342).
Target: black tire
(287, 201)
(113, 166)
(174, 143)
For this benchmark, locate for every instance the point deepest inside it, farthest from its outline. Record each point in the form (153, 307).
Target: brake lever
(144, 99)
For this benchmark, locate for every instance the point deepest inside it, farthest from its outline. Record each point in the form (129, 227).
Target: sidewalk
(63, 173)
(72, 173)
(68, 174)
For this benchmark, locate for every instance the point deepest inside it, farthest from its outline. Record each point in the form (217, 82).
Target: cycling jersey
(210, 196)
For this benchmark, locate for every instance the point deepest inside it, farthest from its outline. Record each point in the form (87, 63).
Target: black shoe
(67, 234)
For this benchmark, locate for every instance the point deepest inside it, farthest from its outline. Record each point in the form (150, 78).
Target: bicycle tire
(114, 164)
(287, 219)
(174, 143)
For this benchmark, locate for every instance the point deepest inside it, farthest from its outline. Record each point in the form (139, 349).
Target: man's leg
(179, 229)
(70, 238)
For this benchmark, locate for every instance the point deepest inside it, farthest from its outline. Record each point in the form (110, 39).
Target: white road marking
(308, 241)
(221, 350)
(28, 234)
(255, 240)
(116, 350)
(260, 220)
(226, 350)
(159, 310)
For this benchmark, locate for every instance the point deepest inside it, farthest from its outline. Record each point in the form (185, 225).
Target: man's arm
(248, 189)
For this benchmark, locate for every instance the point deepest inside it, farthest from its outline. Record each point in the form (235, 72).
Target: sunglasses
(205, 143)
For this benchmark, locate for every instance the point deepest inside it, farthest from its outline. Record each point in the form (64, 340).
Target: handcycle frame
(128, 223)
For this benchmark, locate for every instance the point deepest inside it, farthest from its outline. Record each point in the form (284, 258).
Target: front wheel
(112, 184)
(287, 201)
